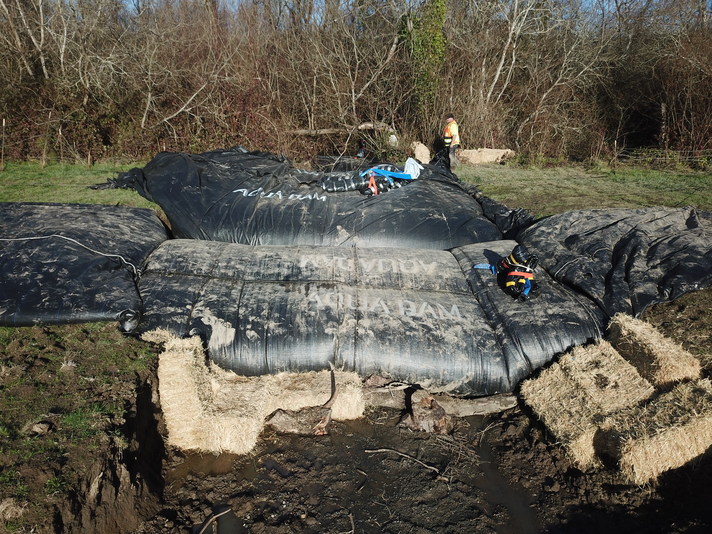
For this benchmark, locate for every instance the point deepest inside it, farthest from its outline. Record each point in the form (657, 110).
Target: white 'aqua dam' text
(259, 192)
(370, 265)
(373, 304)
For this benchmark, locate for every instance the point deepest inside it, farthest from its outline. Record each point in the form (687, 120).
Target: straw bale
(208, 409)
(574, 395)
(180, 394)
(485, 155)
(158, 336)
(657, 358)
(566, 411)
(420, 151)
(606, 377)
(291, 391)
(662, 434)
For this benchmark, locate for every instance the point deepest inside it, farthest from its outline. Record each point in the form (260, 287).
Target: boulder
(420, 151)
(485, 155)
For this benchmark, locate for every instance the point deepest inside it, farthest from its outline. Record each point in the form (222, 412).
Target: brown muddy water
(497, 474)
(365, 476)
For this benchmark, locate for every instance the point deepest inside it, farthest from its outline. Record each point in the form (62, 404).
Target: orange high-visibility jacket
(451, 134)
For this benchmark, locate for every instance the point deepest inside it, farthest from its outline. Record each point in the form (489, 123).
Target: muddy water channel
(365, 476)
(498, 474)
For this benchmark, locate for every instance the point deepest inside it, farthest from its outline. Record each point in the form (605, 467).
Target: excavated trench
(501, 474)
(124, 485)
(371, 472)
(497, 474)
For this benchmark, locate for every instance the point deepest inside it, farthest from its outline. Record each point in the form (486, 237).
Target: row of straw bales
(477, 156)
(636, 399)
(208, 409)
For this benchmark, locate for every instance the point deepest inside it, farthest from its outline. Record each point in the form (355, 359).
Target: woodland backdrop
(578, 79)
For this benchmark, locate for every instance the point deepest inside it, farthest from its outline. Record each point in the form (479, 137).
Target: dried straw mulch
(657, 358)
(574, 395)
(208, 409)
(662, 434)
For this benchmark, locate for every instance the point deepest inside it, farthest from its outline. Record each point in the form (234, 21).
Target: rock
(420, 152)
(485, 155)
(41, 428)
(551, 485)
(38, 428)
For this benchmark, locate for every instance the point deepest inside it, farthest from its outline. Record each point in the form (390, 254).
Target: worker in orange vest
(451, 136)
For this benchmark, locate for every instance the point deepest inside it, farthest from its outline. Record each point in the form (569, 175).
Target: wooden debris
(383, 392)
(409, 457)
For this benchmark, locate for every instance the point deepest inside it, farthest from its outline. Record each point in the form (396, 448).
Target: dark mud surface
(496, 474)
(96, 462)
(502, 474)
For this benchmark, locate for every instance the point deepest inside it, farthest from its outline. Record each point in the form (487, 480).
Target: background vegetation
(577, 79)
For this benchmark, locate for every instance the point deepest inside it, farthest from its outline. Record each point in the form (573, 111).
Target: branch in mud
(404, 455)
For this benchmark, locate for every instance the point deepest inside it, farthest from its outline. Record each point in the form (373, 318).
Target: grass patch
(11, 479)
(29, 182)
(542, 191)
(555, 190)
(62, 389)
(84, 422)
(55, 485)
